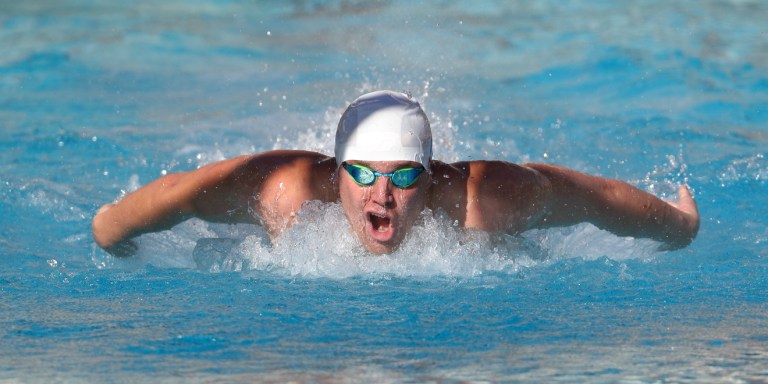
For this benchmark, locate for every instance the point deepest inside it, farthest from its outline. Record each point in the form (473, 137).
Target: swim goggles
(364, 176)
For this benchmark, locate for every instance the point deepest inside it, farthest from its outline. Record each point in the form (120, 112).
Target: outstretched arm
(272, 185)
(212, 192)
(616, 206)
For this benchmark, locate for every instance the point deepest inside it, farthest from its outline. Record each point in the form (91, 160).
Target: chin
(379, 242)
(379, 249)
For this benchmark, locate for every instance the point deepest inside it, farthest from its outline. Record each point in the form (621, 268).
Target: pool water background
(97, 98)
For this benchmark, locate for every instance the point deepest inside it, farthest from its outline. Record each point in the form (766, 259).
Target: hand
(690, 213)
(687, 205)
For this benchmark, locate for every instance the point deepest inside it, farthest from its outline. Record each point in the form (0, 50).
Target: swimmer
(384, 176)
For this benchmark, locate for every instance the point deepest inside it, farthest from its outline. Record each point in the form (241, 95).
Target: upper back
(488, 195)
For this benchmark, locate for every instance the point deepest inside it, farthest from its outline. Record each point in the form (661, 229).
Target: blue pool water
(98, 98)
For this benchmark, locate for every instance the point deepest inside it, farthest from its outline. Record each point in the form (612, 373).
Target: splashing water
(321, 245)
(101, 97)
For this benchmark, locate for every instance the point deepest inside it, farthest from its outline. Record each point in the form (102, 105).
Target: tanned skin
(270, 188)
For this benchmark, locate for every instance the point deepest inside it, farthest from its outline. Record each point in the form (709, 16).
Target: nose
(381, 192)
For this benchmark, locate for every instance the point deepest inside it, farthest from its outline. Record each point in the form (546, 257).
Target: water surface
(99, 98)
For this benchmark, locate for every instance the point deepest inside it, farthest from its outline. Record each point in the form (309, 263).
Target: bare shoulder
(243, 181)
(267, 162)
(250, 172)
(301, 173)
(280, 182)
(489, 195)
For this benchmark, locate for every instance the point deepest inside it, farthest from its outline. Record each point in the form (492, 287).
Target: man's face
(382, 214)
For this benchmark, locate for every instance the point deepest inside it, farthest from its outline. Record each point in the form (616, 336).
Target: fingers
(685, 201)
(688, 205)
(684, 194)
(685, 224)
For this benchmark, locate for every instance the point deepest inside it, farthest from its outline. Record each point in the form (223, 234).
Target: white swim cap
(384, 126)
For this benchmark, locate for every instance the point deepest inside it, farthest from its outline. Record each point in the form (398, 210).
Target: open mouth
(381, 227)
(380, 223)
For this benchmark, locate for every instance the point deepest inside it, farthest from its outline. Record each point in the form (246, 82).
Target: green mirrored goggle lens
(361, 175)
(401, 178)
(404, 178)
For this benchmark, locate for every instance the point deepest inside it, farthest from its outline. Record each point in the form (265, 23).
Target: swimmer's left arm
(616, 206)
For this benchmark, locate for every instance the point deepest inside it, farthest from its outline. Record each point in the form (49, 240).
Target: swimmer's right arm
(216, 192)
(272, 185)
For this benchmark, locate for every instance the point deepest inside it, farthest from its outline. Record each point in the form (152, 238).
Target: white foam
(321, 245)
(588, 242)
